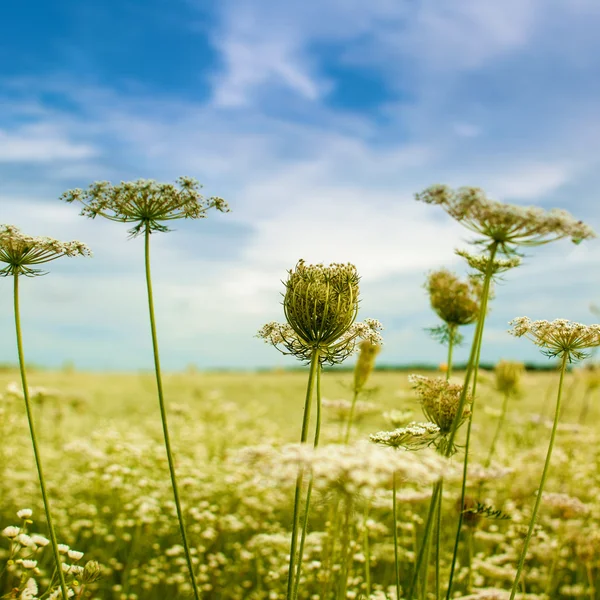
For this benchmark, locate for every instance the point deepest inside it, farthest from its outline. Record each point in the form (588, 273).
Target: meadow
(235, 442)
(386, 503)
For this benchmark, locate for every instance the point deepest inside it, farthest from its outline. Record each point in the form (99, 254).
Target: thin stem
(36, 451)
(538, 499)
(367, 549)
(501, 420)
(163, 415)
(470, 560)
(473, 367)
(395, 530)
(346, 551)
(438, 543)
(437, 486)
(452, 337)
(314, 367)
(351, 416)
(309, 491)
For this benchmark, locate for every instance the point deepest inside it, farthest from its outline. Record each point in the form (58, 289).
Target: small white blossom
(10, 532)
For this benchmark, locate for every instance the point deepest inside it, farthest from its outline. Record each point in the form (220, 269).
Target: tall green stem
(538, 499)
(163, 415)
(314, 367)
(309, 490)
(351, 416)
(437, 488)
(438, 543)
(395, 526)
(472, 368)
(36, 450)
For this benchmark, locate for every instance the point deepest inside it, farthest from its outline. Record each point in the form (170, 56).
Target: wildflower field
(468, 484)
(108, 480)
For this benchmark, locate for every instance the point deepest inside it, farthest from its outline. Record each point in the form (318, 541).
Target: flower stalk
(312, 375)
(36, 450)
(538, 499)
(163, 414)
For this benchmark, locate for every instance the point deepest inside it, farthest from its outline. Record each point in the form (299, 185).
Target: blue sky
(317, 121)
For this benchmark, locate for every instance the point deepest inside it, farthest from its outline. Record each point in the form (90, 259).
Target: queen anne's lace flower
(480, 262)
(320, 305)
(439, 400)
(456, 302)
(22, 253)
(412, 437)
(559, 337)
(145, 202)
(506, 225)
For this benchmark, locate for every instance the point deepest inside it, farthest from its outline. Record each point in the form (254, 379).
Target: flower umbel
(456, 302)
(480, 262)
(145, 202)
(320, 305)
(507, 225)
(412, 437)
(21, 253)
(439, 400)
(559, 337)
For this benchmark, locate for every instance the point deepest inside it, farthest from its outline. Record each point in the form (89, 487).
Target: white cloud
(41, 143)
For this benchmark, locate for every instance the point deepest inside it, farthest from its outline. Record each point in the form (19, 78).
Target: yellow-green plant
(501, 229)
(456, 303)
(412, 437)
(148, 205)
(320, 306)
(558, 339)
(23, 255)
(365, 364)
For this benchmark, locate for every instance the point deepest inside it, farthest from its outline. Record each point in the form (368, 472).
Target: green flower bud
(321, 303)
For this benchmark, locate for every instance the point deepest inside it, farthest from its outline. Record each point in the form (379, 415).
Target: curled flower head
(506, 225)
(440, 401)
(321, 303)
(145, 202)
(412, 437)
(22, 253)
(558, 338)
(456, 302)
(508, 376)
(480, 262)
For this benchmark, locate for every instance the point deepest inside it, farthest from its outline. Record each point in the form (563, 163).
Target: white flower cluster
(414, 435)
(505, 224)
(145, 202)
(20, 252)
(560, 337)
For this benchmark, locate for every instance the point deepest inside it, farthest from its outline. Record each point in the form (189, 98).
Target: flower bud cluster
(456, 302)
(22, 252)
(440, 401)
(320, 305)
